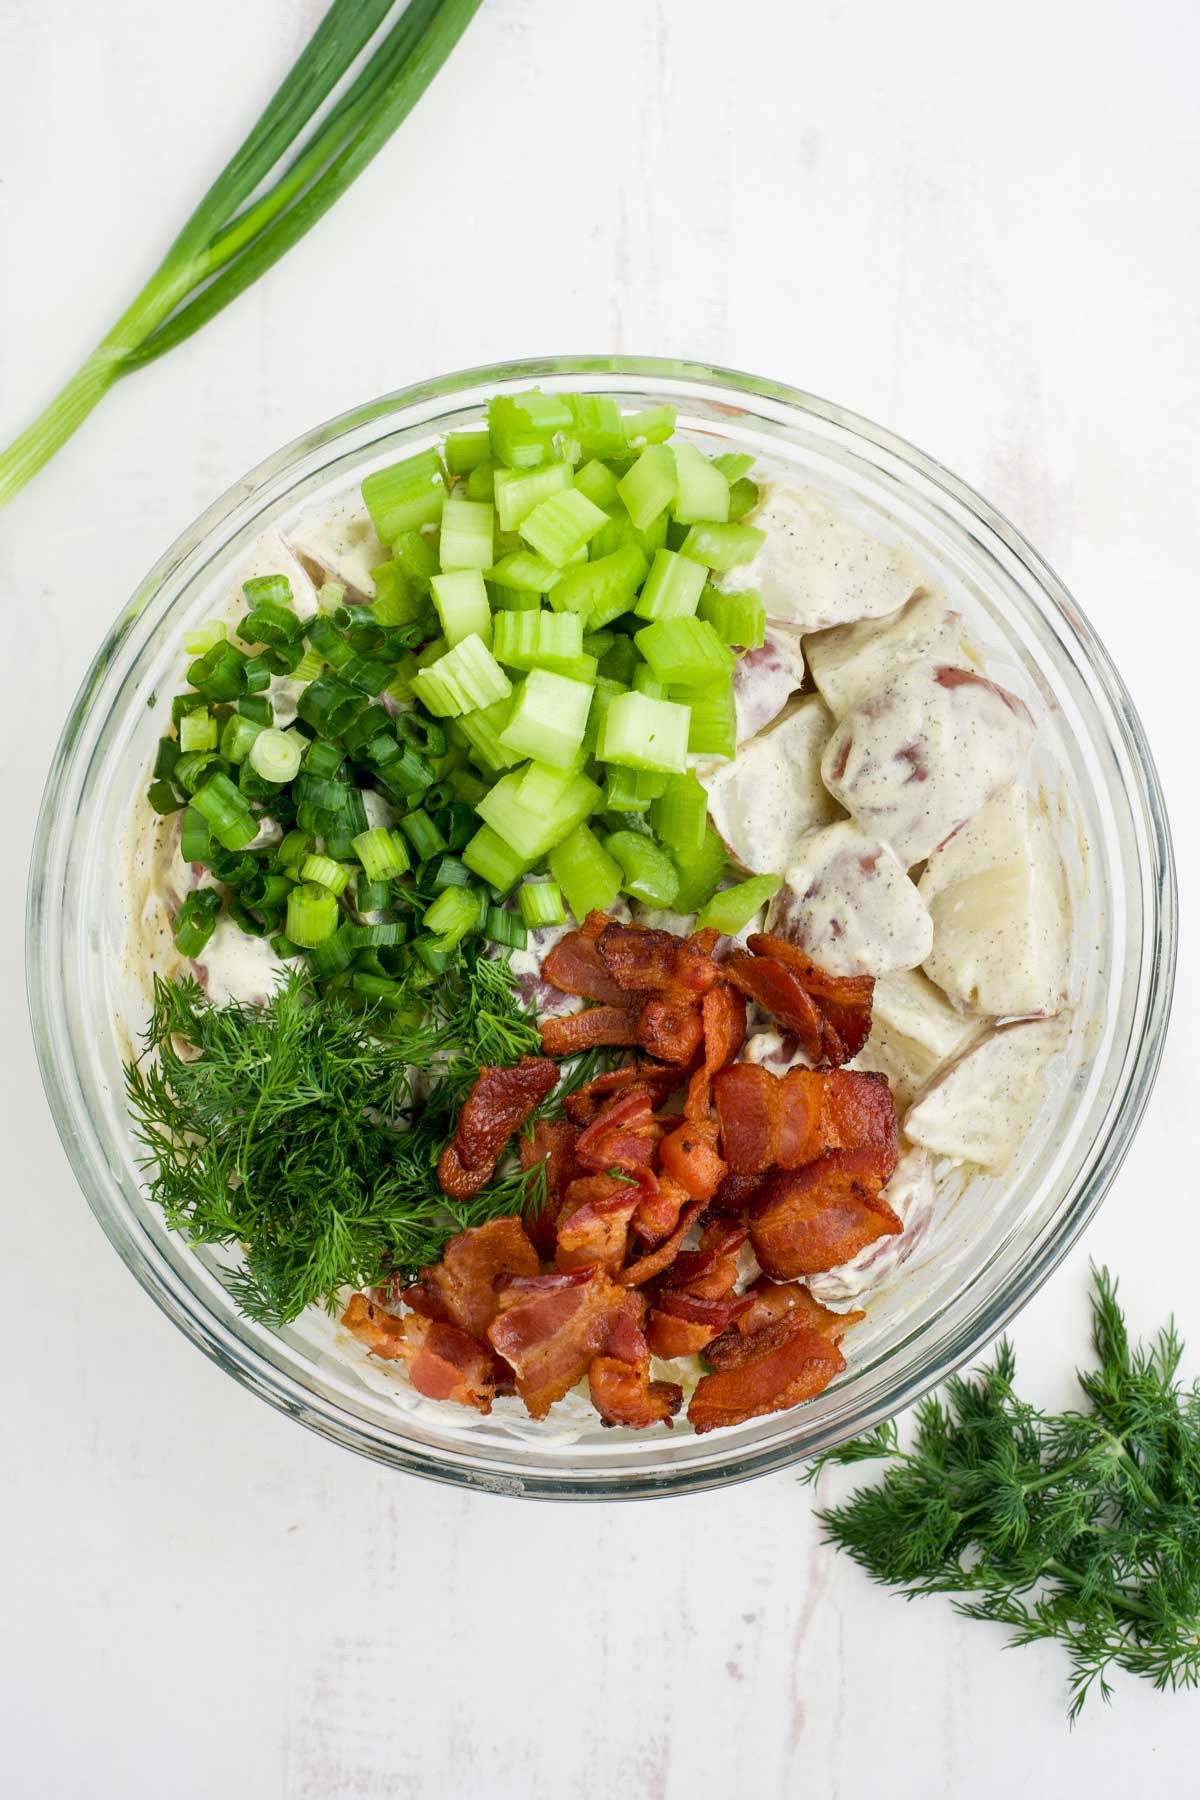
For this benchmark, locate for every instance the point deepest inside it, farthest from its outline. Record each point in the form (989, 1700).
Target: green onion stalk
(237, 232)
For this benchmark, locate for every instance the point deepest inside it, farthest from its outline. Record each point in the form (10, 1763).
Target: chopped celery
(482, 730)
(489, 857)
(632, 790)
(405, 496)
(452, 915)
(721, 546)
(417, 556)
(733, 908)
(467, 531)
(702, 492)
(560, 527)
(604, 589)
(549, 716)
(619, 661)
(481, 482)
(654, 426)
(462, 605)
(541, 904)
(525, 570)
(685, 652)
(522, 427)
(647, 873)
(538, 640)
(589, 877)
(599, 643)
(713, 728)
(598, 482)
(462, 680)
(680, 815)
(743, 498)
(602, 698)
(645, 681)
(597, 425)
(465, 449)
(512, 599)
(643, 733)
(518, 491)
(673, 587)
(739, 619)
(531, 833)
(649, 487)
(733, 464)
(397, 600)
(700, 874)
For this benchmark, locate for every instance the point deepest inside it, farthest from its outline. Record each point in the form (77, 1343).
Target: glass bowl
(992, 1242)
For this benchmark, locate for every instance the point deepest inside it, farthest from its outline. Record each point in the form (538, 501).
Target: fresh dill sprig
(309, 1135)
(1080, 1527)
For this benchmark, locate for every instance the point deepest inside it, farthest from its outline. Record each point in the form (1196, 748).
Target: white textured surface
(978, 225)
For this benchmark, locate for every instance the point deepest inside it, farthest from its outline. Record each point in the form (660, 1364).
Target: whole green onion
(233, 237)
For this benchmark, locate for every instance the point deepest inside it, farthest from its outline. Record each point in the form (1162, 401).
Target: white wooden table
(979, 225)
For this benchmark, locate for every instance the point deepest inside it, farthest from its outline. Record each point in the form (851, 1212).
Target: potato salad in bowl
(607, 924)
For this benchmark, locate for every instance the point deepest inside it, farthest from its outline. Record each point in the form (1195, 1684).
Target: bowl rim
(240, 1358)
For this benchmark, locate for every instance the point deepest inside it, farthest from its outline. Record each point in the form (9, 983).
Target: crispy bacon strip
(658, 1079)
(777, 1309)
(843, 1001)
(624, 1135)
(682, 1324)
(443, 1362)
(696, 970)
(809, 1219)
(574, 967)
(769, 1120)
(460, 1287)
(779, 991)
(553, 1143)
(594, 1223)
(635, 1274)
(735, 1194)
(723, 1016)
(499, 1102)
(671, 1027)
(658, 1214)
(690, 1155)
(639, 960)
(749, 1103)
(573, 1032)
(550, 1327)
(710, 1272)
(619, 1379)
(796, 1370)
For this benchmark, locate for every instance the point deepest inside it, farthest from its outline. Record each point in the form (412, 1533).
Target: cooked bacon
(655, 1261)
(749, 1103)
(735, 1194)
(805, 1220)
(696, 970)
(682, 1324)
(553, 1142)
(619, 1378)
(573, 1032)
(639, 960)
(550, 1327)
(857, 1111)
(779, 991)
(658, 1214)
(769, 1120)
(843, 1001)
(460, 1287)
(443, 1362)
(500, 1101)
(777, 1310)
(690, 1155)
(796, 1370)
(595, 923)
(594, 1223)
(574, 967)
(671, 1027)
(624, 1135)
(710, 1272)
(658, 1079)
(723, 1017)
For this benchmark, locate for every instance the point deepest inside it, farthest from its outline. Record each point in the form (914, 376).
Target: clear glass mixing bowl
(993, 1241)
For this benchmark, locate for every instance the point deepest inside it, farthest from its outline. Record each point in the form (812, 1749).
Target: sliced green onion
(309, 666)
(448, 872)
(560, 527)
(645, 734)
(396, 601)
(488, 856)
(293, 849)
(541, 904)
(722, 547)
(548, 718)
(312, 915)
(323, 759)
(328, 704)
(422, 834)
(701, 491)
(739, 619)
(680, 815)
(227, 812)
(468, 789)
(462, 605)
(505, 928)
(733, 908)
(602, 590)
(647, 873)
(649, 487)
(333, 955)
(382, 854)
(685, 652)
(237, 737)
(196, 920)
(405, 496)
(452, 915)
(163, 797)
(371, 896)
(206, 637)
(466, 539)
(589, 877)
(276, 755)
(198, 731)
(331, 594)
(257, 707)
(700, 873)
(326, 873)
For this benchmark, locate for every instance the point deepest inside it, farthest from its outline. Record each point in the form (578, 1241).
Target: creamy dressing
(343, 544)
(772, 793)
(982, 1107)
(911, 1194)
(923, 753)
(764, 681)
(849, 904)
(848, 662)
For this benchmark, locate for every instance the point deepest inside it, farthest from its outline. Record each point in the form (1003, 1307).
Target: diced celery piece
(599, 643)
(739, 619)
(589, 877)
(522, 427)
(549, 716)
(518, 491)
(525, 570)
(673, 587)
(488, 856)
(700, 874)
(645, 681)
(406, 495)
(649, 487)
(598, 482)
(531, 834)
(680, 816)
(713, 728)
(463, 680)
(464, 449)
(602, 698)
(602, 590)
(417, 556)
(702, 492)
(743, 498)
(506, 599)
(462, 605)
(723, 546)
(647, 873)
(541, 904)
(543, 789)
(482, 730)
(466, 540)
(632, 790)
(614, 535)
(653, 426)
(685, 652)
(452, 915)
(560, 527)
(597, 425)
(733, 464)
(620, 660)
(396, 599)
(481, 482)
(733, 908)
(539, 640)
(643, 733)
